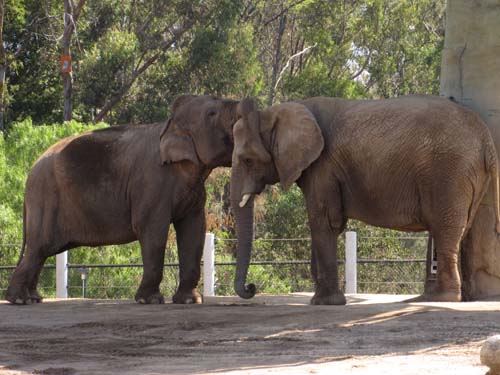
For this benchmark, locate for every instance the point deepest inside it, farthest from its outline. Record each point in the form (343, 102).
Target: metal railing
(402, 276)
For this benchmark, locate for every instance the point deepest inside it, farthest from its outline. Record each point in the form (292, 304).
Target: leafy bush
(18, 152)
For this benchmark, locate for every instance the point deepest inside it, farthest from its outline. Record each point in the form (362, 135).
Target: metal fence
(402, 275)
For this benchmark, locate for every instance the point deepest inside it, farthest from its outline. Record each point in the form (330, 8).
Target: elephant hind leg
(24, 280)
(25, 274)
(448, 284)
(22, 289)
(35, 296)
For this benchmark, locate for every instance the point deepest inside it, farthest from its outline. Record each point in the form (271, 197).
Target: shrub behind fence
(403, 275)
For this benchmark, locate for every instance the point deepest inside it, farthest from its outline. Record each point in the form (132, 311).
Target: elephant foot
(183, 296)
(152, 299)
(35, 296)
(337, 298)
(437, 297)
(20, 296)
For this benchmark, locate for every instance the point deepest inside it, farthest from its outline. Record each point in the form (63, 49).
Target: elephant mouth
(251, 189)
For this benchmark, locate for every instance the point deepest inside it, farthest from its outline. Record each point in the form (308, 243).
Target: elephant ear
(176, 147)
(297, 140)
(248, 127)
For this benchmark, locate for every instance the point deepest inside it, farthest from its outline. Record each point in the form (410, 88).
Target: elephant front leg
(190, 232)
(324, 264)
(153, 256)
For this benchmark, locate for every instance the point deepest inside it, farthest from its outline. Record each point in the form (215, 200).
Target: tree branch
(277, 59)
(362, 69)
(290, 59)
(77, 10)
(249, 11)
(137, 72)
(283, 11)
(21, 45)
(140, 30)
(3, 53)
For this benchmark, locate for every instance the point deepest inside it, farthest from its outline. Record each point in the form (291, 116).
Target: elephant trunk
(243, 217)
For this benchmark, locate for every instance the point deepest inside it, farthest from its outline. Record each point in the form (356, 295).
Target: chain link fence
(401, 274)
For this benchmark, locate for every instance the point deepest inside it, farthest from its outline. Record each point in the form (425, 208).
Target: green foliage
(222, 59)
(33, 86)
(314, 81)
(372, 48)
(24, 144)
(353, 49)
(110, 55)
(408, 57)
(272, 279)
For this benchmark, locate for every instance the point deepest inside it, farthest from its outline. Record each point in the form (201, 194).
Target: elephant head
(276, 144)
(200, 131)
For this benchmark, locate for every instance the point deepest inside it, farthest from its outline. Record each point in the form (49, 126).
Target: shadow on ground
(270, 333)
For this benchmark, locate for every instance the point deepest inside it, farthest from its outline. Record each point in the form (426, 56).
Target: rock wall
(470, 73)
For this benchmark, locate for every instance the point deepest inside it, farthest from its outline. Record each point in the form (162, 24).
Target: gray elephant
(122, 184)
(412, 163)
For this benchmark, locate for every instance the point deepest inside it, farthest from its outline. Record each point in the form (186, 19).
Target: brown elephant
(413, 163)
(122, 184)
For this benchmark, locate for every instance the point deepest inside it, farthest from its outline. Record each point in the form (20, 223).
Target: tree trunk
(71, 14)
(3, 85)
(470, 74)
(3, 70)
(66, 73)
(277, 60)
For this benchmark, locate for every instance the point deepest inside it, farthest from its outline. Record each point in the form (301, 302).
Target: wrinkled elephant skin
(127, 183)
(416, 163)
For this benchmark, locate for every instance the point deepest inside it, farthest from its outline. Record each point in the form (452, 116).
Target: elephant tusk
(245, 199)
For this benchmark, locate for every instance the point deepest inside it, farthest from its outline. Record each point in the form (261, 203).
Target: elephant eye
(248, 162)
(211, 112)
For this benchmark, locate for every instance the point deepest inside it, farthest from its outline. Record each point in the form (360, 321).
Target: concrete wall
(471, 74)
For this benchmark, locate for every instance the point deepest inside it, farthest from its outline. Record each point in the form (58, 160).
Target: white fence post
(209, 265)
(351, 277)
(62, 275)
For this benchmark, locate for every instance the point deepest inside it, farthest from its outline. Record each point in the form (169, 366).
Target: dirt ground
(373, 334)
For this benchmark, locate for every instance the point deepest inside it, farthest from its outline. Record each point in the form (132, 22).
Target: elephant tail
(497, 210)
(492, 161)
(23, 246)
